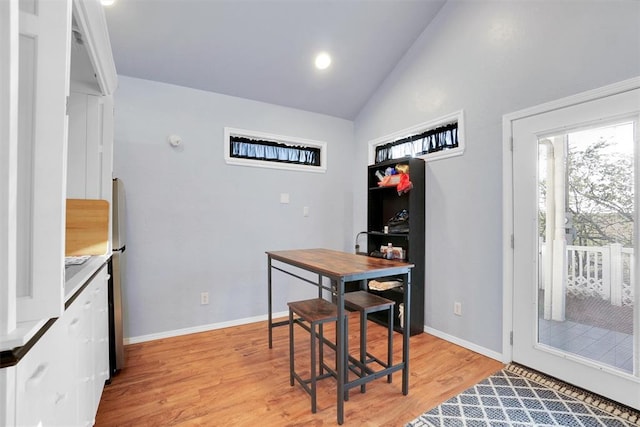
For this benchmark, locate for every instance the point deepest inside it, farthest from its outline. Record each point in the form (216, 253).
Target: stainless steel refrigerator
(116, 272)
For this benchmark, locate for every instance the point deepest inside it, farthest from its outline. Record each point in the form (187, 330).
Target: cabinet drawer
(44, 395)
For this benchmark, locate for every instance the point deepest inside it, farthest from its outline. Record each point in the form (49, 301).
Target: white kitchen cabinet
(93, 80)
(93, 348)
(84, 164)
(36, 74)
(9, 70)
(79, 341)
(90, 157)
(100, 336)
(59, 381)
(50, 375)
(44, 70)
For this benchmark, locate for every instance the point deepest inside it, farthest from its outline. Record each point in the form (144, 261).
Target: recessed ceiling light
(107, 2)
(323, 60)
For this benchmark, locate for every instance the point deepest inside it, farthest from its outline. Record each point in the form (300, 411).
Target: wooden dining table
(341, 268)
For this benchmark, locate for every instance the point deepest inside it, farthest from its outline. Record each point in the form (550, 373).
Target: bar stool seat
(316, 312)
(365, 303)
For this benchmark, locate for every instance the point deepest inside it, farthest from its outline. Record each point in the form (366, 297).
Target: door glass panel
(586, 243)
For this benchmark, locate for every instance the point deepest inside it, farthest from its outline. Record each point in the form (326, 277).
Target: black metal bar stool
(365, 303)
(316, 312)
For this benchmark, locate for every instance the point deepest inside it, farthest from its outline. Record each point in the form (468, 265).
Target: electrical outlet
(204, 298)
(457, 308)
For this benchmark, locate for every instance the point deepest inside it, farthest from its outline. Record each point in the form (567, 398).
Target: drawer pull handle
(60, 397)
(37, 375)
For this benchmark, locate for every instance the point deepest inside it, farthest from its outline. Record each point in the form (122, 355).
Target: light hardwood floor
(229, 377)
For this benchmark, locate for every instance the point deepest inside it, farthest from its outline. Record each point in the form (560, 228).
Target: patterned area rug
(520, 397)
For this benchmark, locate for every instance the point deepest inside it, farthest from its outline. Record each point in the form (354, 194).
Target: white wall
(196, 224)
(488, 58)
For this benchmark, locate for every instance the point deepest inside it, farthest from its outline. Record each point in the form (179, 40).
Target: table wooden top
(339, 264)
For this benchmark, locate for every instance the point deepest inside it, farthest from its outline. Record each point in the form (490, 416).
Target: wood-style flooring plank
(229, 377)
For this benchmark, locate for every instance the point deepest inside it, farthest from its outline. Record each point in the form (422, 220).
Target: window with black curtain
(247, 148)
(430, 141)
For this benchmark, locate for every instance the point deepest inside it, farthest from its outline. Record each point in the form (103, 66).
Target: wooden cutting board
(87, 227)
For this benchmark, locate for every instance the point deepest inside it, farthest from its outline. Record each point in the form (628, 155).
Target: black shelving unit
(383, 204)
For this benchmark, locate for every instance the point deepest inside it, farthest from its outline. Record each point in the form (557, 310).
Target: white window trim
(228, 132)
(458, 117)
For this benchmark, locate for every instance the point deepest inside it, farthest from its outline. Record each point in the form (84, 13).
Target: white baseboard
(201, 328)
(466, 344)
(213, 326)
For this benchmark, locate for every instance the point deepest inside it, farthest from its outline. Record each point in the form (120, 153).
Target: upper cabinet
(90, 105)
(48, 49)
(44, 68)
(90, 152)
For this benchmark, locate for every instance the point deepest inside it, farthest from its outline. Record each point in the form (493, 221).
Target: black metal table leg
(405, 334)
(270, 322)
(342, 351)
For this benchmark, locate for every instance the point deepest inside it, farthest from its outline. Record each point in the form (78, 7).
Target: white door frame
(507, 191)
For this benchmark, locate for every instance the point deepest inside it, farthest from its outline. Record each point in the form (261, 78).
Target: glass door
(585, 243)
(575, 233)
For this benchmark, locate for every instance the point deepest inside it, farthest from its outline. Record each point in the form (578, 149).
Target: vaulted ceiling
(265, 49)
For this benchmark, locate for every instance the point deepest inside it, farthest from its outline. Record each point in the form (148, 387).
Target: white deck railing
(605, 272)
(601, 271)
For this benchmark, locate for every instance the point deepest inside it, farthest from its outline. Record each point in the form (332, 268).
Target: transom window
(250, 148)
(433, 140)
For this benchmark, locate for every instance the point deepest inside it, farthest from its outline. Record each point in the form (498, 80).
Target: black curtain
(247, 148)
(431, 141)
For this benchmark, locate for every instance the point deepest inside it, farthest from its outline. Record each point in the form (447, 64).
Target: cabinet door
(9, 26)
(100, 333)
(107, 155)
(44, 53)
(77, 151)
(90, 160)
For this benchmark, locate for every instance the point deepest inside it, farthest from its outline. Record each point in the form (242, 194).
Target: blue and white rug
(519, 397)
